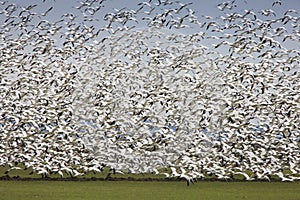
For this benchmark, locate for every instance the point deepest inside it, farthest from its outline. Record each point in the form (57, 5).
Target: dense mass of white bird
(137, 96)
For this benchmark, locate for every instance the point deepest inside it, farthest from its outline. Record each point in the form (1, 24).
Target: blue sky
(201, 8)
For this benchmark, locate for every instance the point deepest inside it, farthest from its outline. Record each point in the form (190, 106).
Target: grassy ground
(70, 190)
(126, 189)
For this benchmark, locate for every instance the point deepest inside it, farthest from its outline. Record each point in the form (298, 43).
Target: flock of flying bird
(220, 101)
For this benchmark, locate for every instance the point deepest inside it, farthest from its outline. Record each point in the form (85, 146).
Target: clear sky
(201, 8)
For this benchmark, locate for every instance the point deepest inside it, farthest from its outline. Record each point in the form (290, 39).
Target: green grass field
(72, 190)
(85, 188)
